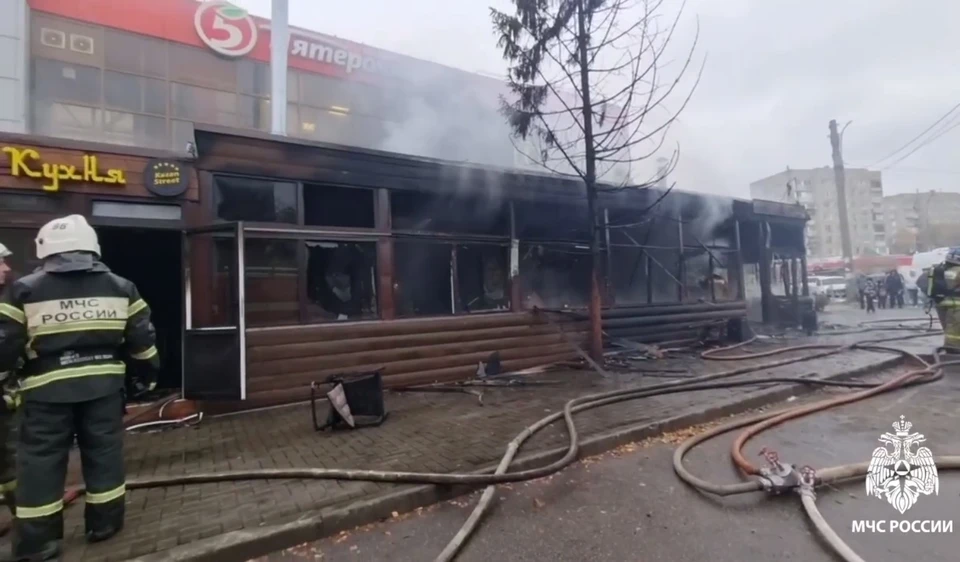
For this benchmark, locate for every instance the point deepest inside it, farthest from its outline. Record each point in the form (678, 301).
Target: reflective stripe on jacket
(78, 325)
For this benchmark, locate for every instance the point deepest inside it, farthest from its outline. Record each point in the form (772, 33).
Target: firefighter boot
(101, 535)
(49, 551)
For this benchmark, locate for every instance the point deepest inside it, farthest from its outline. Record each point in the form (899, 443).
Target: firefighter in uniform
(76, 322)
(943, 288)
(8, 410)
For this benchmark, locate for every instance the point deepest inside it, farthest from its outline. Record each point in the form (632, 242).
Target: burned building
(316, 260)
(272, 262)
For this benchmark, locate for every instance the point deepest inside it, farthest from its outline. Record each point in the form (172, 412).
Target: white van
(910, 274)
(923, 260)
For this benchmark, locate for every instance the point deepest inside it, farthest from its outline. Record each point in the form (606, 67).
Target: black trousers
(8, 456)
(47, 432)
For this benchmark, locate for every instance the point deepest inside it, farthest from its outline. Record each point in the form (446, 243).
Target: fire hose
(808, 478)
(500, 475)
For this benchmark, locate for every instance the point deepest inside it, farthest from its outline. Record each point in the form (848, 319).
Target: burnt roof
(227, 150)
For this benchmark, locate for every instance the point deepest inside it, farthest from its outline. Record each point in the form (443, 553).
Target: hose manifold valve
(779, 477)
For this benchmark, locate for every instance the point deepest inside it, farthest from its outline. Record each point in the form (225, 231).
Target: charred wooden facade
(301, 260)
(358, 260)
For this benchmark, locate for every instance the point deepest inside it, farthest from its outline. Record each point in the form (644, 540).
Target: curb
(245, 545)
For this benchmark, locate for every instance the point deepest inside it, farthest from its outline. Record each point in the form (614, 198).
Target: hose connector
(808, 481)
(779, 477)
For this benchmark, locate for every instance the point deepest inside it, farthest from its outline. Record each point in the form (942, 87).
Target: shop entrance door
(214, 338)
(151, 259)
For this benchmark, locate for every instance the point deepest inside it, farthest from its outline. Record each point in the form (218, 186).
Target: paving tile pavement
(425, 432)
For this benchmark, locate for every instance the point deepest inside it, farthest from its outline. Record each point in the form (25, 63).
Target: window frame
(215, 199)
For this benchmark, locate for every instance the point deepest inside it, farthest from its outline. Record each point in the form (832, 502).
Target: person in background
(861, 289)
(8, 410)
(910, 284)
(923, 284)
(881, 291)
(894, 286)
(869, 293)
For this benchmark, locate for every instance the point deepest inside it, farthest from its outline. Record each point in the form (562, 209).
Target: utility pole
(840, 180)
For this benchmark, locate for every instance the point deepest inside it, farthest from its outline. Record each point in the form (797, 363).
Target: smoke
(453, 115)
(713, 213)
(704, 216)
(450, 115)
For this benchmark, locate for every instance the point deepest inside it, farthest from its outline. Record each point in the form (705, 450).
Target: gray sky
(777, 71)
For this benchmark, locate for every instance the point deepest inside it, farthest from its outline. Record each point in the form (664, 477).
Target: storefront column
(513, 280)
(741, 278)
(14, 77)
(385, 270)
(210, 294)
(803, 274)
(766, 297)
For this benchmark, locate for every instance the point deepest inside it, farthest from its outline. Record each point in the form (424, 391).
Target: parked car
(832, 286)
(816, 285)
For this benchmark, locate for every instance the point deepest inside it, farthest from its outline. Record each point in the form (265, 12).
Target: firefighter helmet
(67, 234)
(953, 256)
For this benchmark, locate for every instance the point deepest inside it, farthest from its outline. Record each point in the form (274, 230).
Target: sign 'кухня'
(27, 162)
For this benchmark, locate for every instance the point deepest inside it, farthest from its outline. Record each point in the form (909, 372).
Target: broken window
(726, 277)
(430, 276)
(780, 276)
(643, 260)
(696, 275)
(629, 274)
(665, 275)
(422, 278)
(426, 212)
(751, 281)
(554, 277)
(549, 221)
(481, 277)
(341, 280)
(250, 199)
(330, 205)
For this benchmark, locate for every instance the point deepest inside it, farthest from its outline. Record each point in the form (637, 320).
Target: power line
(922, 170)
(914, 139)
(939, 134)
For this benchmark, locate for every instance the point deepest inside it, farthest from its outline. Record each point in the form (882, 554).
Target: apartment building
(816, 190)
(912, 213)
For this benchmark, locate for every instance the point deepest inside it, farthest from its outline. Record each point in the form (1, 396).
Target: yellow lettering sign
(26, 162)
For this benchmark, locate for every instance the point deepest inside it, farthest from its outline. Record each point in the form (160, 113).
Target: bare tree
(587, 77)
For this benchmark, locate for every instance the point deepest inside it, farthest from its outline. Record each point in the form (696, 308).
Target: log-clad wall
(668, 322)
(282, 362)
